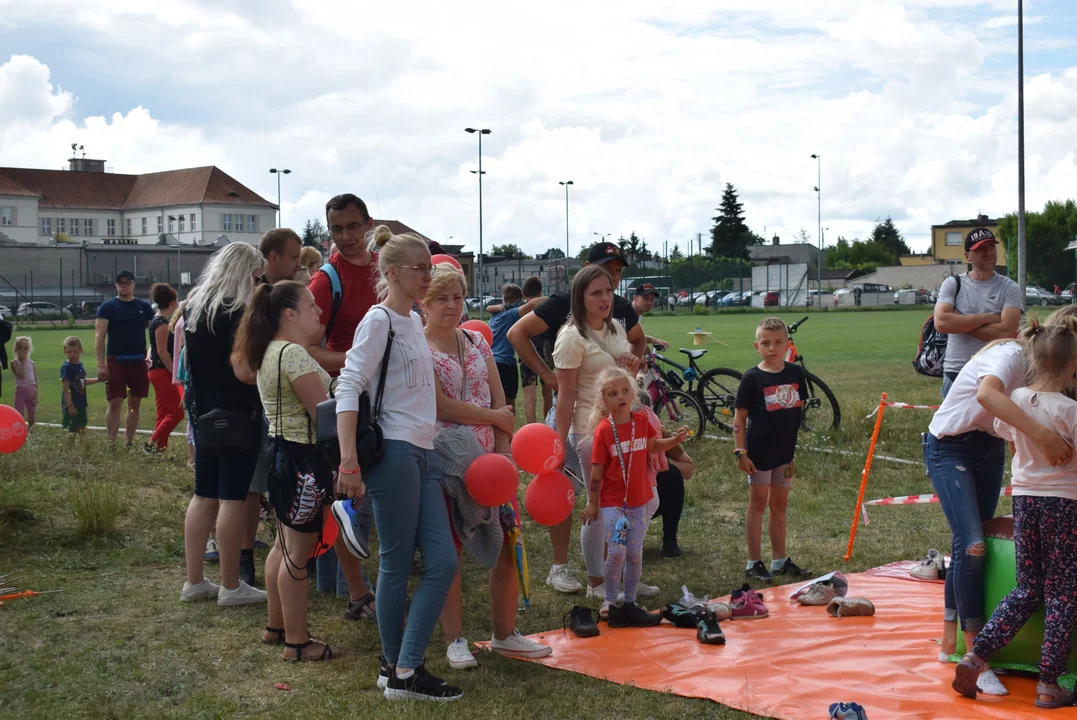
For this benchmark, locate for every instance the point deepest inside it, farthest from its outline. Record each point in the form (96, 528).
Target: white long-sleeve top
(409, 410)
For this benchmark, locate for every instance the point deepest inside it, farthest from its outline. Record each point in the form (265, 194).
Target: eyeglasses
(421, 269)
(351, 228)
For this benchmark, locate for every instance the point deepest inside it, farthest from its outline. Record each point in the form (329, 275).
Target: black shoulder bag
(369, 441)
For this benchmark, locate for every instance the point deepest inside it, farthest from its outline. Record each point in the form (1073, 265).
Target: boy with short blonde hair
(769, 410)
(74, 380)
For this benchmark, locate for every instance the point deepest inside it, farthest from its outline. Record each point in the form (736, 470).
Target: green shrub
(97, 506)
(701, 310)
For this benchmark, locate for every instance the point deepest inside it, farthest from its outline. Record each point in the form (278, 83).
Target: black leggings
(670, 502)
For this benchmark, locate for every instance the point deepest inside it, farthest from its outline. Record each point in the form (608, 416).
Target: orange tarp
(795, 663)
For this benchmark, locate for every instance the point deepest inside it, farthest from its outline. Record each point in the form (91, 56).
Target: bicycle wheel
(717, 393)
(821, 412)
(679, 408)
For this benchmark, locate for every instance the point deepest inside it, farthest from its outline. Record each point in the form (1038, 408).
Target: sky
(648, 106)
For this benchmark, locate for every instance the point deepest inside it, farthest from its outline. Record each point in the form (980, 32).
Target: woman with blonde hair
(965, 459)
(310, 259)
(224, 386)
(405, 484)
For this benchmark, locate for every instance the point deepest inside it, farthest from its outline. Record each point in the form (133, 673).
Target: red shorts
(124, 376)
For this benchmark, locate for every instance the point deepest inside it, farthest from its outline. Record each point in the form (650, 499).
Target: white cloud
(650, 109)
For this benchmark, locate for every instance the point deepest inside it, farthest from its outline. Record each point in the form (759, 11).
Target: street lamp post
(278, 173)
(480, 132)
(566, 184)
(819, 257)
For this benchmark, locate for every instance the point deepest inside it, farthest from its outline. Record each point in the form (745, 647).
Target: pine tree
(730, 237)
(675, 253)
(887, 235)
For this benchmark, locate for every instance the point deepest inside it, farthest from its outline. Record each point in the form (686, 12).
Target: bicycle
(716, 391)
(673, 407)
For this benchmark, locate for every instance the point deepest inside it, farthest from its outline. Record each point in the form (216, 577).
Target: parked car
(6, 312)
(770, 297)
(43, 311)
(1067, 294)
(1035, 295)
(736, 299)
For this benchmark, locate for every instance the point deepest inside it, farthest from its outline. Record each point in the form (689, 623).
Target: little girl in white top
(25, 380)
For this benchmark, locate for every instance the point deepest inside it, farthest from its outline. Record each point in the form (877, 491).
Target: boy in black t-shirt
(769, 408)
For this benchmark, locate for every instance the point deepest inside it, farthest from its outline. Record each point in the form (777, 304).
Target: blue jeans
(330, 576)
(409, 510)
(966, 472)
(947, 383)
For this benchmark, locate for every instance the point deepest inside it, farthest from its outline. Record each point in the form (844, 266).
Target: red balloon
(480, 327)
(330, 531)
(550, 498)
(492, 480)
(12, 429)
(440, 258)
(537, 448)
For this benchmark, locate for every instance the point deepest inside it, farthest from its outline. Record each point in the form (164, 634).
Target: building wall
(924, 259)
(24, 221)
(955, 253)
(929, 277)
(214, 215)
(791, 253)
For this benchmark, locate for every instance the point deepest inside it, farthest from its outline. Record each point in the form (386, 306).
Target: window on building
(194, 223)
(129, 230)
(171, 224)
(75, 226)
(87, 226)
(61, 225)
(46, 226)
(182, 222)
(111, 225)
(7, 216)
(953, 238)
(160, 224)
(251, 225)
(145, 224)
(226, 222)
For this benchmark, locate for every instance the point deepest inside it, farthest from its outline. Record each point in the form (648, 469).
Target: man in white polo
(977, 306)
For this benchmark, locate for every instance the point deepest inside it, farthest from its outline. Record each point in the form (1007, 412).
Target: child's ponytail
(261, 320)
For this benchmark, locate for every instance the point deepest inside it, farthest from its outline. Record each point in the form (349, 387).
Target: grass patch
(97, 507)
(117, 643)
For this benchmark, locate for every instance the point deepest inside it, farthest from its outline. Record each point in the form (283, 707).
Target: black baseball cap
(978, 237)
(125, 274)
(647, 289)
(602, 252)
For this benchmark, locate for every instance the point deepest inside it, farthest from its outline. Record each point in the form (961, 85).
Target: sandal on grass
(327, 652)
(279, 633)
(1060, 696)
(362, 609)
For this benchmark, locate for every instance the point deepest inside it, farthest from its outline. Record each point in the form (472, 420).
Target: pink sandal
(1060, 697)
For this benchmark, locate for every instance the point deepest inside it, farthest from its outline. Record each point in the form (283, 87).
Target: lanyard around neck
(626, 471)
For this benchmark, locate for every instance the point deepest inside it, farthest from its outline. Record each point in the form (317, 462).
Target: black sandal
(363, 609)
(279, 632)
(327, 652)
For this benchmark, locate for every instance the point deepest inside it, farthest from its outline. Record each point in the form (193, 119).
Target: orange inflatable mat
(796, 662)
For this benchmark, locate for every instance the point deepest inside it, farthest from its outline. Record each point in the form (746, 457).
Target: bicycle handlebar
(798, 323)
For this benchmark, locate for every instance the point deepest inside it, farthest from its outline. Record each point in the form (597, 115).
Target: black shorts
(528, 377)
(300, 484)
(510, 380)
(227, 477)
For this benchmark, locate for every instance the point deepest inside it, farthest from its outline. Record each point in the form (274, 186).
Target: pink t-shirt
(477, 392)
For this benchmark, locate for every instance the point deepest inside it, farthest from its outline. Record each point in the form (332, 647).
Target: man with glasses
(120, 346)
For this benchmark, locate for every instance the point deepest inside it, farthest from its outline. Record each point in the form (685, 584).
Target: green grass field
(117, 643)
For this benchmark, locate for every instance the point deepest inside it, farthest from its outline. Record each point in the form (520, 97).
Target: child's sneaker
(632, 615)
(459, 655)
(792, 569)
(581, 621)
(758, 571)
(517, 646)
(747, 604)
(850, 607)
(929, 567)
(204, 590)
(680, 616)
(346, 517)
(847, 711)
(707, 630)
(820, 593)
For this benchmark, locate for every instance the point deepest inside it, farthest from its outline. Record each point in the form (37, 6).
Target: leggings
(1045, 540)
(592, 537)
(169, 400)
(670, 502)
(627, 558)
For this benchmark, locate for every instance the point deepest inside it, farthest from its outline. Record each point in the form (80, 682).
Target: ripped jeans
(966, 472)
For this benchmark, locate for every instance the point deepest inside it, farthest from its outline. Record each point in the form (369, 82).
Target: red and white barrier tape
(901, 405)
(922, 499)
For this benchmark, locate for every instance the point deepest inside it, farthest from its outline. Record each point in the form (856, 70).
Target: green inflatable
(1023, 652)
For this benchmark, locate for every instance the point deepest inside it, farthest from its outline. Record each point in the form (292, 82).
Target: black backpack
(932, 350)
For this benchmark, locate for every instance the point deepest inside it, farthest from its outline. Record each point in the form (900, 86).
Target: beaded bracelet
(342, 471)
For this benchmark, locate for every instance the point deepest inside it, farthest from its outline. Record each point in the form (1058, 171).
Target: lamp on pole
(480, 133)
(566, 184)
(278, 173)
(819, 257)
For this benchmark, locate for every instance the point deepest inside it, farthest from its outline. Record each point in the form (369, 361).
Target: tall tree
(675, 254)
(887, 235)
(858, 255)
(553, 254)
(1047, 234)
(584, 250)
(730, 237)
(509, 250)
(633, 247)
(803, 236)
(314, 234)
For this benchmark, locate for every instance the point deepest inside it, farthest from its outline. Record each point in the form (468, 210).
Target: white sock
(404, 676)
(776, 564)
(989, 684)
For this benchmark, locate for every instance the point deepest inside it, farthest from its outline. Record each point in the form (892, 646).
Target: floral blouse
(477, 392)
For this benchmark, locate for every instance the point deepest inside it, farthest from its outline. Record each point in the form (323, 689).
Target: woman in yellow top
(279, 323)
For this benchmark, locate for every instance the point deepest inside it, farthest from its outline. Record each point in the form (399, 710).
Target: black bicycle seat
(694, 354)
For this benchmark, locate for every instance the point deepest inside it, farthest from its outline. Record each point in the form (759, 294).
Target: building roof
(65, 189)
(981, 220)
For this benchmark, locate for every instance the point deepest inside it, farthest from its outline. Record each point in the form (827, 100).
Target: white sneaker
(244, 594)
(459, 655)
(516, 645)
(204, 590)
(562, 580)
(989, 684)
(928, 568)
(644, 590)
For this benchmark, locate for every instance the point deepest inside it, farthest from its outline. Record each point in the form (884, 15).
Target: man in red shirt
(349, 222)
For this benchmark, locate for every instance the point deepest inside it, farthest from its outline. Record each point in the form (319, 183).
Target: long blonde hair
(392, 250)
(226, 283)
(604, 382)
(1050, 349)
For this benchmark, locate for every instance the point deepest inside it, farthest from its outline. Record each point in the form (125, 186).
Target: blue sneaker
(848, 711)
(347, 517)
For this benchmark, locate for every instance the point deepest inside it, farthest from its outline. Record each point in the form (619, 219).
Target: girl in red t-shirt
(619, 486)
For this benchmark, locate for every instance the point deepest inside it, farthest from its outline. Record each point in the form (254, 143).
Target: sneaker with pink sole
(747, 604)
